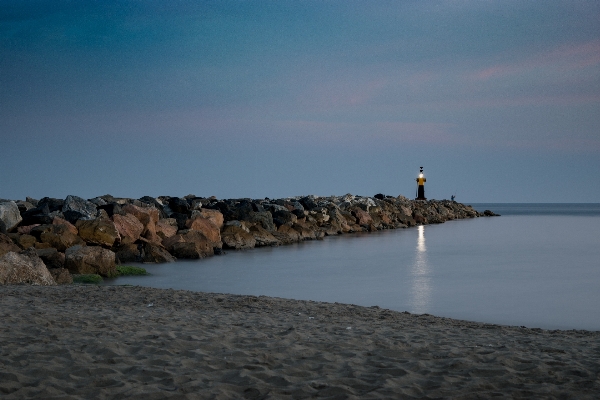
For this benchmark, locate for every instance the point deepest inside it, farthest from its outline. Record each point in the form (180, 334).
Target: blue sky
(499, 101)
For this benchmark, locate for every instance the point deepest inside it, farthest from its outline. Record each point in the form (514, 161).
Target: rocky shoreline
(44, 241)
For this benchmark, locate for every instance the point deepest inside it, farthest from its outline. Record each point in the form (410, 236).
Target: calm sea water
(537, 265)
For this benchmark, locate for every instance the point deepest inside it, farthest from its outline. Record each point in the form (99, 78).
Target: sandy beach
(84, 342)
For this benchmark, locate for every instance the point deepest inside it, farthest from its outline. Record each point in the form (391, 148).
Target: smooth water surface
(521, 269)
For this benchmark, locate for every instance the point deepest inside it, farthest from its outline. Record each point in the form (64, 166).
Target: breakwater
(58, 237)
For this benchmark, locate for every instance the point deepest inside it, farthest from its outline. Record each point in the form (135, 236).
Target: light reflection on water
(421, 276)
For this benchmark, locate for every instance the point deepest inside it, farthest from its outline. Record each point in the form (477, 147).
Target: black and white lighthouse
(421, 186)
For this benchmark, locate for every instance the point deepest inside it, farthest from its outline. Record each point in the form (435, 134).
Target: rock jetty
(79, 236)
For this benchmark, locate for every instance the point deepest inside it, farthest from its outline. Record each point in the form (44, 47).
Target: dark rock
(264, 219)
(111, 209)
(379, 196)
(129, 252)
(39, 215)
(75, 208)
(51, 257)
(52, 203)
(283, 218)
(181, 220)
(489, 213)
(179, 205)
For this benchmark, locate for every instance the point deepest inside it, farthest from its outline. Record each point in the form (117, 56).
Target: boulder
(51, 257)
(62, 221)
(52, 204)
(179, 205)
(98, 231)
(58, 236)
(362, 217)
(75, 208)
(129, 227)
(148, 216)
(215, 216)
(263, 237)
(207, 228)
(24, 268)
(25, 241)
(265, 219)
(61, 276)
(189, 244)
(152, 253)
(90, 260)
(287, 235)
(235, 237)
(282, 217)
(10, 216)
(166, 228)
(7, 245)
(128, 252)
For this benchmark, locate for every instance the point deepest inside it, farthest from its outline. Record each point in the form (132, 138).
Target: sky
(499, 101)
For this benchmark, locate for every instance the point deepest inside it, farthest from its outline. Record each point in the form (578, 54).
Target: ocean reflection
(421, 279)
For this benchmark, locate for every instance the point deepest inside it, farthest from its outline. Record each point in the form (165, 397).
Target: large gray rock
(9, 216)
(90, 260)
(75, 208)
(24, 268)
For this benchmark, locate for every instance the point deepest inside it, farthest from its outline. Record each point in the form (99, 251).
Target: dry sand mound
(133, 342)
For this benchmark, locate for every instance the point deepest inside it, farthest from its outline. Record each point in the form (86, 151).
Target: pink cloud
(562, 59)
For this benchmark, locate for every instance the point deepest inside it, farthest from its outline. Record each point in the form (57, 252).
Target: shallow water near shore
(536, 266)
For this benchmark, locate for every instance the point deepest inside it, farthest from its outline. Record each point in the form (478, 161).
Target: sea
(536, 265)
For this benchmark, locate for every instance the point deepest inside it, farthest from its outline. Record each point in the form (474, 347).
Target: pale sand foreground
(133, 342)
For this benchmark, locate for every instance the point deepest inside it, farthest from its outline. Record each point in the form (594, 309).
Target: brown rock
(61, 276)
(235, 237)
(263, 237)
(214, 216)
(148, 216)
(90, 260)
(166, 228)
(70, 226)
(287, 235)
(98, 231)
(6, 245)
(25, 267)
(362, 217)
(129, 227)
(25, 241)
(155, 254)
(208, 228)
(190, 244)
(58, 236)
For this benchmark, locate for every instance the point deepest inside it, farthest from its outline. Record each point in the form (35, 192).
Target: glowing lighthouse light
(421, 186)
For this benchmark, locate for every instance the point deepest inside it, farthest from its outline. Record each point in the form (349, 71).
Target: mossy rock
(87, 278)
(124, 270)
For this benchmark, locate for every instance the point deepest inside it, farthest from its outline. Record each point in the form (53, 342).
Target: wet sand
(85, 342)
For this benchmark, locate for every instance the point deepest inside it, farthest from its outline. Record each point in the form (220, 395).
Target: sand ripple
(88, 342)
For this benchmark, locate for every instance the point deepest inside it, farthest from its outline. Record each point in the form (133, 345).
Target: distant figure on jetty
(452, 197)
(421, 186)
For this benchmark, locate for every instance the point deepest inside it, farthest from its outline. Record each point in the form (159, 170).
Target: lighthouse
(421, 186)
